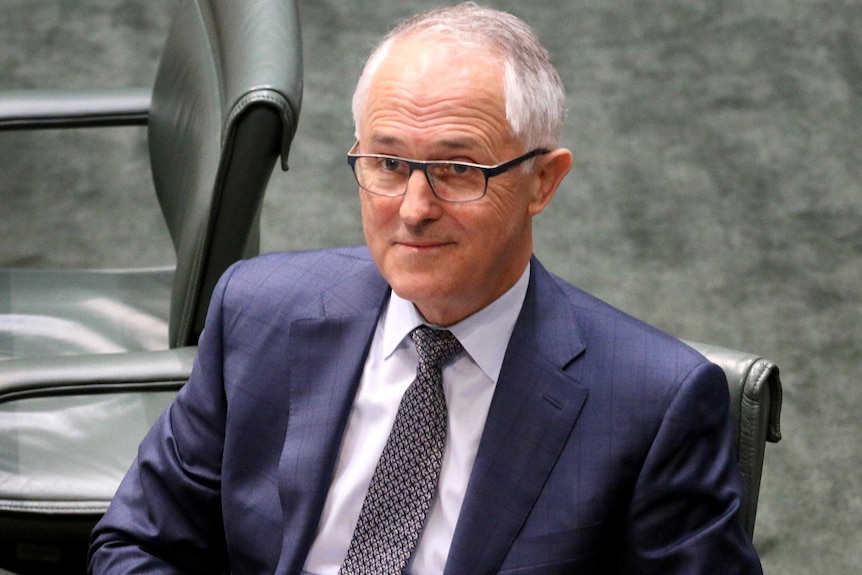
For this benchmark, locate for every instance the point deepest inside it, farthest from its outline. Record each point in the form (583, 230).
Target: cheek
(379, 218)
(372, 209)
(504, 209)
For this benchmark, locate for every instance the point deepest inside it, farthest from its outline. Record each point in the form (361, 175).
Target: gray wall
(715, 192)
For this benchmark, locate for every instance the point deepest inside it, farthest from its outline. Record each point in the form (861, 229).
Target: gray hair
(533, 90)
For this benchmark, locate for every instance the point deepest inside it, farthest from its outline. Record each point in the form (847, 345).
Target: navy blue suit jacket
(607, 447)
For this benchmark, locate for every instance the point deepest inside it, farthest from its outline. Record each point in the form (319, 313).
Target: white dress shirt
(468, 383)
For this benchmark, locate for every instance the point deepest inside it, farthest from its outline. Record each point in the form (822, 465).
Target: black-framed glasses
(450, 181)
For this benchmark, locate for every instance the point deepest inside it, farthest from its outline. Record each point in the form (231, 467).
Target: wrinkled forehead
(432, 75)
(424, 93)
(428, 61)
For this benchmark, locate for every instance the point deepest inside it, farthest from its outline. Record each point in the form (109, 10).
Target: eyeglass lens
(450, 181)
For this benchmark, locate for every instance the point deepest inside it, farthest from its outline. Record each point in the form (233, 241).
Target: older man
(543, 431)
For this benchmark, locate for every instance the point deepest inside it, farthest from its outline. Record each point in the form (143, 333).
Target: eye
(389, 164)
(451, 170)
(460, 169)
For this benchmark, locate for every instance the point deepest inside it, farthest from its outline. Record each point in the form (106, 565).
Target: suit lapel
(531, 417)
(325, 357)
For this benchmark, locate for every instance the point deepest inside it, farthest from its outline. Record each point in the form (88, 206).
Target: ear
(552, 168)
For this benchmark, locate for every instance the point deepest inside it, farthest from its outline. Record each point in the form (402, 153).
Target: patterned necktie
(405, 478)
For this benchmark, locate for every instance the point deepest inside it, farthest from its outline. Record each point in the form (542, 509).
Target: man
(577, 439)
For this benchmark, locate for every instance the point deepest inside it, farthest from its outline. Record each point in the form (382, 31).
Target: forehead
(437, 67)
(432, 86)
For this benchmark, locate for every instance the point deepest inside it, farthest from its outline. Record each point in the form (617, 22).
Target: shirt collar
(484, 335)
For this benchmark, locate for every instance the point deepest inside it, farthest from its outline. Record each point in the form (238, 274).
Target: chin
(418, 290)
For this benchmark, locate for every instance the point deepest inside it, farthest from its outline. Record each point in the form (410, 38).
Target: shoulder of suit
(600, 320)
(311, 265)
(281, 277)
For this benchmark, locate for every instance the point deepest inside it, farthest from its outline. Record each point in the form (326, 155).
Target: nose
(419, 204)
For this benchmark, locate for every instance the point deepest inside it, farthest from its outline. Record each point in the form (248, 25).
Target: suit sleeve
(683, 517)
(166, 515)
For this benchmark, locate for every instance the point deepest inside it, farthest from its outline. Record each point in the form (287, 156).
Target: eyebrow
(460, 143)
(448, 144)
(385, 140)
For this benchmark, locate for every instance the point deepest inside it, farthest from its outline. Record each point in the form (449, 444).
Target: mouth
(422, 246)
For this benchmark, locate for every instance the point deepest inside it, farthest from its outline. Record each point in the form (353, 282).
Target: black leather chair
(76, 346)
(755, 402)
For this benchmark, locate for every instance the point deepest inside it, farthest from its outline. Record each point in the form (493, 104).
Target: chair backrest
(755, 403)
(225, 105)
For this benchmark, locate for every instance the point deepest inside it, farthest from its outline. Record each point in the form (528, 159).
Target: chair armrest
(31, 377)
(70, 427)
(44, 109)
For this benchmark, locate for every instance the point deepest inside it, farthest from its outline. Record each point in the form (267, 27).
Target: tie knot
(435, 346)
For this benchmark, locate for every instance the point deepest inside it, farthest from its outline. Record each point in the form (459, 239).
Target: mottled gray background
(715, 192)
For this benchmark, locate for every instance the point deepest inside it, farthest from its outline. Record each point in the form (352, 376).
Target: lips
(422, 245)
